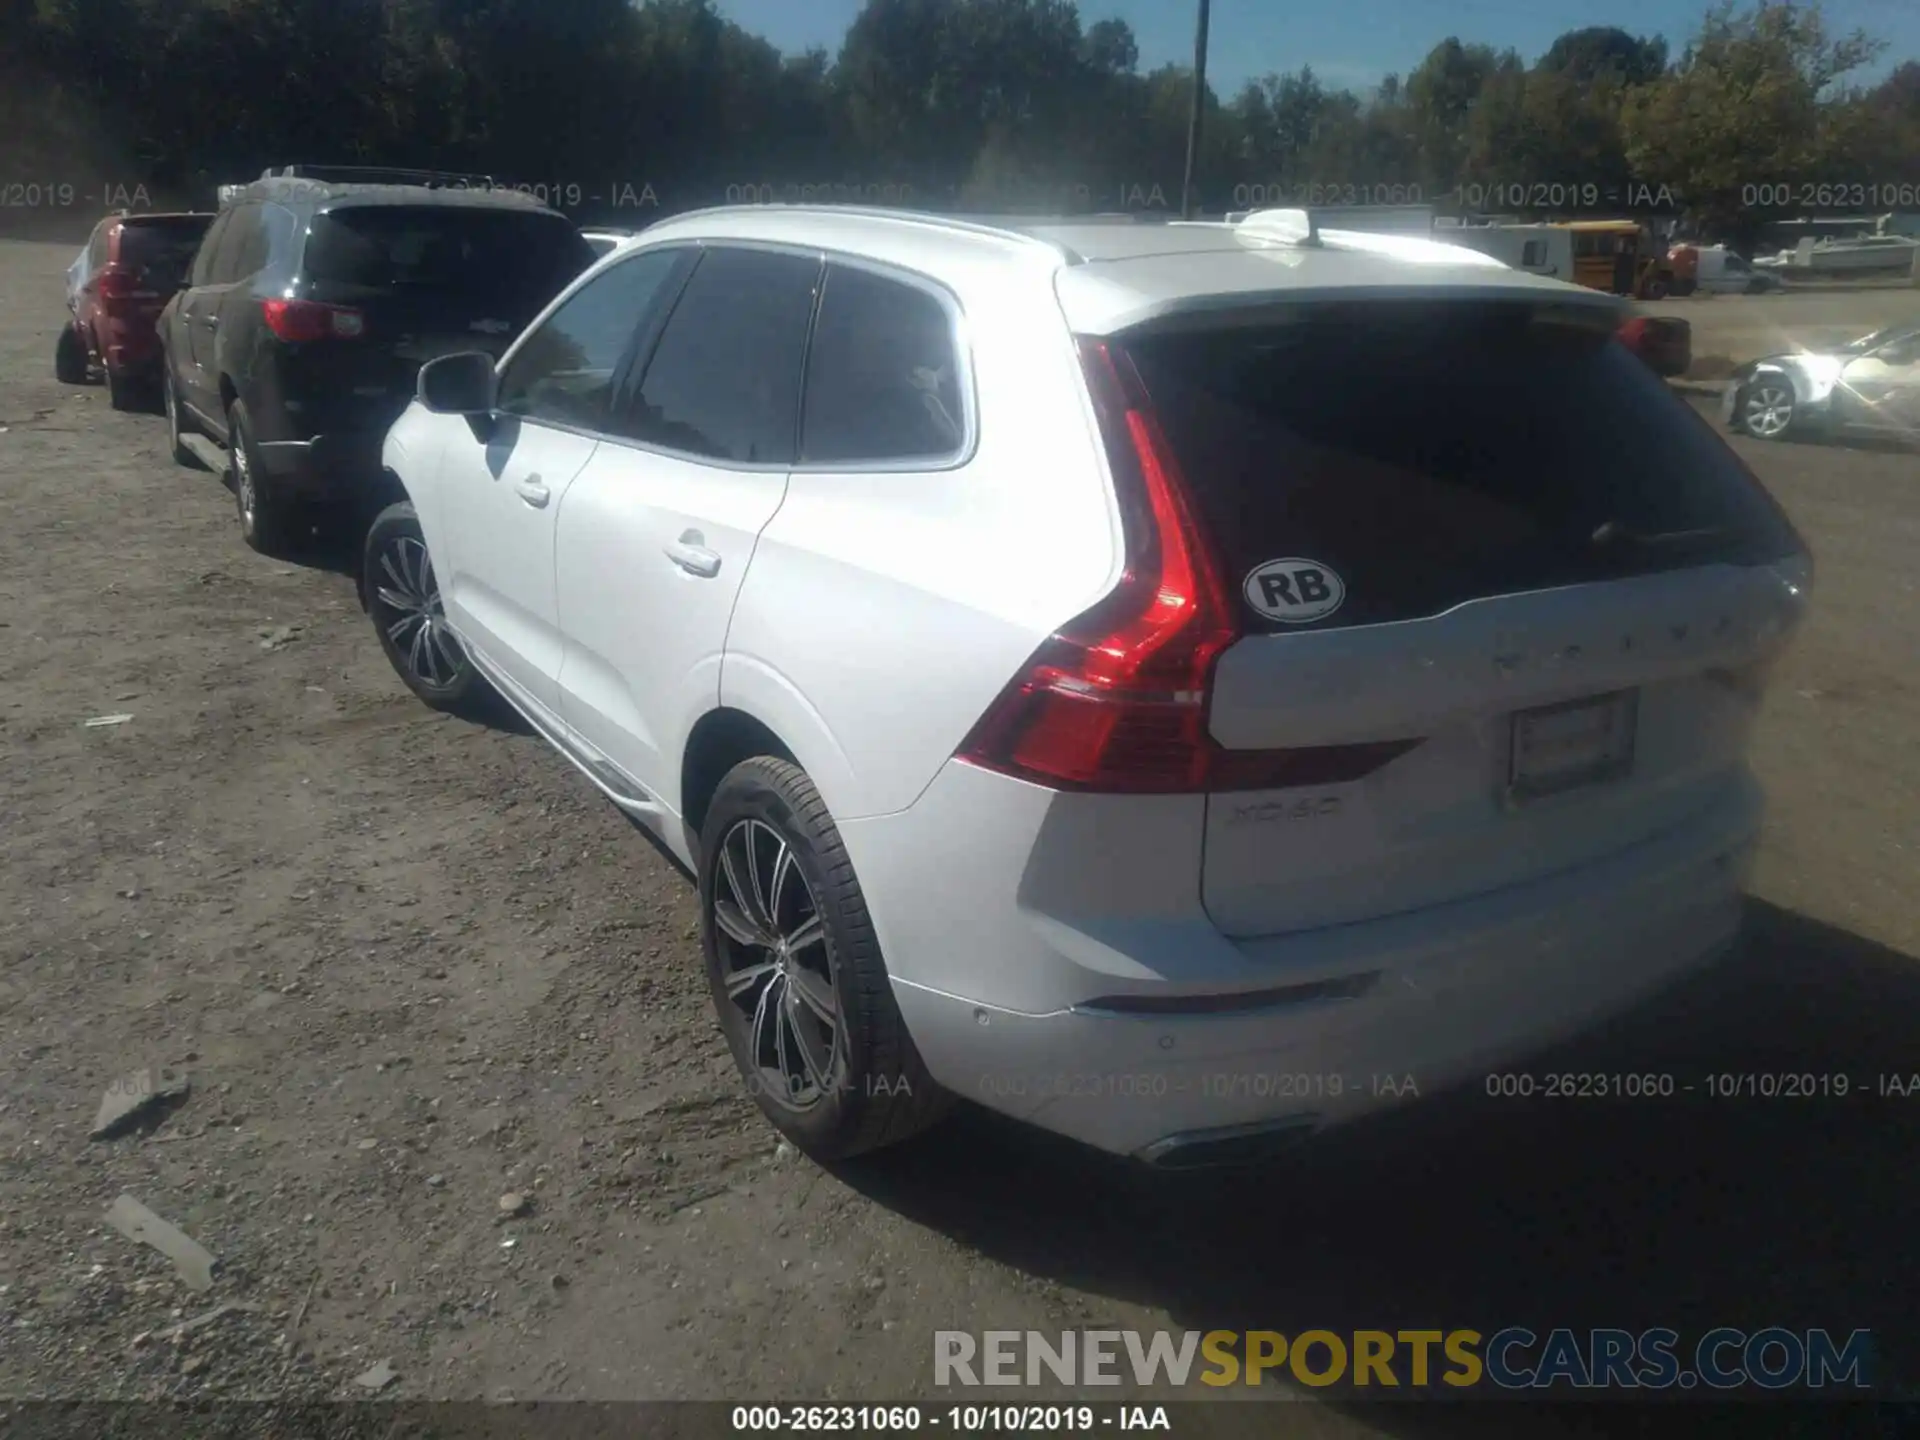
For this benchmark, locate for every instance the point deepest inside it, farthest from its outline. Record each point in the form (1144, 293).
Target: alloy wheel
(1768, 410)
(778, 970)
(406, 598)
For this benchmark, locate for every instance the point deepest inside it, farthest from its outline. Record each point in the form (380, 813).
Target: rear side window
(883, 375)
(204, 257)
(509, 262)
(161, 252)
(1439, 453)
(269, 227)
(724, 382)
(224, 268)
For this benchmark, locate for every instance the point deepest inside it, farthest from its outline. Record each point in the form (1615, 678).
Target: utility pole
(1199, 108)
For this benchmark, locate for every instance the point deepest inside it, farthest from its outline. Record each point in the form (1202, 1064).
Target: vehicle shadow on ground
(336, 545)
(1691, 1212)
(1873, 442)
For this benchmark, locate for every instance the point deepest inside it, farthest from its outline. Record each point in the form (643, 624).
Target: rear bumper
(141, 359)
(336, 466)
(128, 347)
(1337, 1021)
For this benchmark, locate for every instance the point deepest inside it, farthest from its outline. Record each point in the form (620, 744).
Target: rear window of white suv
(1440, 452)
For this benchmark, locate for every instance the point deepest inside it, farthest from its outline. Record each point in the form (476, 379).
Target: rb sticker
(1294, 591)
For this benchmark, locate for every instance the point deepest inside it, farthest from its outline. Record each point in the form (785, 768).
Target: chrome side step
(213, 456)
(615, 783)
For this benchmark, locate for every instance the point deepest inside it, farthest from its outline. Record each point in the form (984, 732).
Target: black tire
(270, 522)
(178, 424)
(123, 392)
(70, 356)
(403, 600)
(877, 1091)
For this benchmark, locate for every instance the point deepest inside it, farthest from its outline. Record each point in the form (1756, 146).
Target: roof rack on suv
(378, 175)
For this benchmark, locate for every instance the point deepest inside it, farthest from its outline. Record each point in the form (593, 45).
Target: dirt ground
(412, 965)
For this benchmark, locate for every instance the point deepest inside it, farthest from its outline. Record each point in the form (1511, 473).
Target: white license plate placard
(1567, 746)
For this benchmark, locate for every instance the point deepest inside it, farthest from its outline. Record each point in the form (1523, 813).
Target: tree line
(608, 106)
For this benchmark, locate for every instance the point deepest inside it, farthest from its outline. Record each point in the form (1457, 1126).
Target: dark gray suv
(312, 303)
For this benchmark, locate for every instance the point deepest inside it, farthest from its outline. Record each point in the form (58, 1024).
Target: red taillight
(1117, 700)
(297, 320)
(119, 289)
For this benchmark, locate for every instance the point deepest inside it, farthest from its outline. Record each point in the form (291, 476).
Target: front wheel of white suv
(796, 972)
(402, 595)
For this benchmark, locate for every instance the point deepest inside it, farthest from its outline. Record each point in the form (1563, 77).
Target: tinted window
(883, 378)
(1433, 454)
(160, 252)
(725, 380)
(97, 251)
(202, 272)
(271, 227)
(566, 369)
(509, 262)
(1891, 335)
(226, 260)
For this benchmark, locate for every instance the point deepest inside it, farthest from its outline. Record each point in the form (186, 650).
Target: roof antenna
(1297, 227)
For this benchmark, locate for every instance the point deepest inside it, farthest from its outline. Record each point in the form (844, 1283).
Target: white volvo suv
(1149, 679)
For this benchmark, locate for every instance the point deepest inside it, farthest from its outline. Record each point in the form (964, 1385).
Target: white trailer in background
(1538, 249)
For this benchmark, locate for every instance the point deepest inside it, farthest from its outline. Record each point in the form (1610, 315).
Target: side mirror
(463, 384)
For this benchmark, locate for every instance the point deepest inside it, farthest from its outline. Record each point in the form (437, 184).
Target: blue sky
(1349, 43)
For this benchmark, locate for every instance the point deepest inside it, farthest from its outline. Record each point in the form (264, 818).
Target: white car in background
(1153, 680)
(1866, 387)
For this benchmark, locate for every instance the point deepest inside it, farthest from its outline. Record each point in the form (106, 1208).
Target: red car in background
(1665, 344)
(115, 292)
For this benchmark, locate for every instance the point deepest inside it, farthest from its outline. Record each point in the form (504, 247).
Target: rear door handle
(533, 492)
(694, 559)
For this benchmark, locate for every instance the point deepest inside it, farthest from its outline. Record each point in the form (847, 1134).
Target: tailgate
(428, 280)
(1493, 539)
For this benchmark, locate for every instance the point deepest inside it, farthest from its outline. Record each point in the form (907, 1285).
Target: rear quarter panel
(883, 612)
